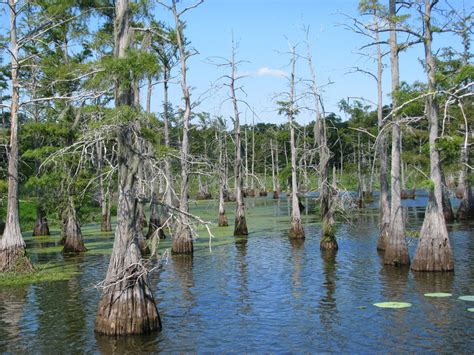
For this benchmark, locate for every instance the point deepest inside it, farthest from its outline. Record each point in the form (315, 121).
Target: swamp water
(255, 294)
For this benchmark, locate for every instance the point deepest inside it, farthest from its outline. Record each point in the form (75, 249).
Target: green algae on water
(42, 273)
(393, 305)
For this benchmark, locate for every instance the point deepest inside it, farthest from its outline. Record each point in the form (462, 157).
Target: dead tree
(433, 252)
(289, 108)
(183, 236)
(126, 305)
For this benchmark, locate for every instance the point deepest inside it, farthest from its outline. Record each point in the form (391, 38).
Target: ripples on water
(263, 293)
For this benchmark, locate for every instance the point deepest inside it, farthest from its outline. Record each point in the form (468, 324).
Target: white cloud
(265, 71)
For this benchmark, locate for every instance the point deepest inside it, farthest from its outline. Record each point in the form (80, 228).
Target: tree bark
(296, 229)
(154, 226)
(182, 238)
(433, 252)
(396, 251)
(13, 255)
(240, 225)
(127, 305)
(41, 225)
(73, 242)
(384, 205)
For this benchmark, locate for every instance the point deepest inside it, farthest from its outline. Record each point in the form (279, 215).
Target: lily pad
(438, 294)
(467, 298)
(392, 304)
(470, 309)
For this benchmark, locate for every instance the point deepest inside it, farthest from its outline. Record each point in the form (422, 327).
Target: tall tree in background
(126, 305)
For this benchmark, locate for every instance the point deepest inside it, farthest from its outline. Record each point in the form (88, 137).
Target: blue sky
(262, 29)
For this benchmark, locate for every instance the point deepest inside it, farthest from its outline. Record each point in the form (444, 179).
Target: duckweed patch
(42, 273)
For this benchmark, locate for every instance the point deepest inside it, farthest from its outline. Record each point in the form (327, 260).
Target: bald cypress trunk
(126, 305)
(12, 246)
(384, 205)
(240, 225)
(41, 225)
(73, 242)
(396, 251)
(433, 252)
(296, 228)
(154, 226)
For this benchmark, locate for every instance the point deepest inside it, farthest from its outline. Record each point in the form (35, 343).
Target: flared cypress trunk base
(276, 195)
(396, 255)
(240, 226)
(15, 259)
(328, 243)
(296, 231)
(41, 228)
(73, 242)
(263, 193)
(223, 220)
(41, 225)
(328, 238)
(383, 237)
(105, 225)
(182, 241)
(433, 252)
(127, 308)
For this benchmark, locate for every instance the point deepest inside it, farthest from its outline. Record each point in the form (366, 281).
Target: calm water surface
(262, 293)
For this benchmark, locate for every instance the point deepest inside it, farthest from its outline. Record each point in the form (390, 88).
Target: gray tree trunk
(73, 242)
(41, 225)
(433, 252)
(240, 225)
(384, 205)
(296, 228)
(182, 238)
(396, 251)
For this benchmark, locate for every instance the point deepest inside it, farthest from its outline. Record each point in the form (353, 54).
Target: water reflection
(242, 275)
(183, 269)
(297, 252)
(12, 304)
